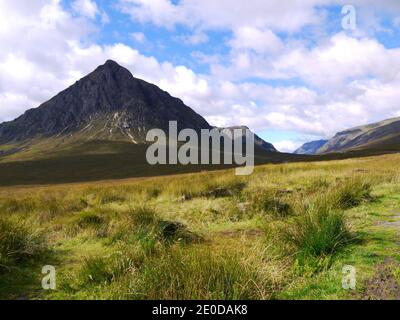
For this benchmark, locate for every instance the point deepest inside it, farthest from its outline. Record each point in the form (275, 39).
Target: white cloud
(277, 15)
(138, 36)
(193, 39)
(210, 14)
(261, 41)
(87, 8)
(339, 60)
(287, 146)
(343, 80)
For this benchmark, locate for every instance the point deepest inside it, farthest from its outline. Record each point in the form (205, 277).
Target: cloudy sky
(286, 68)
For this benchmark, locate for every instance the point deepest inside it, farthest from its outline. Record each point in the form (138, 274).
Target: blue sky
(287, 69)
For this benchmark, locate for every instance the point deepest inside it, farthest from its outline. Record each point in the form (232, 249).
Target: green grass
(18, 242)
(316, 237)
(284, 232)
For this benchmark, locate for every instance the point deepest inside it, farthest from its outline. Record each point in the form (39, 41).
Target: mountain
(258, 142)
(96, 130)
(108, 104)
(311, 147)
(381, 136)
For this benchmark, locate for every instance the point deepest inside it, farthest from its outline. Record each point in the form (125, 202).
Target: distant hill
(384, 135)
(311, 147)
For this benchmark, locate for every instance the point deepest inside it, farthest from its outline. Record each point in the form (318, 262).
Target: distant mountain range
(109, 104)
(384, 135)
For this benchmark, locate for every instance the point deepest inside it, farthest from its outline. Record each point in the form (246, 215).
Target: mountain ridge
(385, 133)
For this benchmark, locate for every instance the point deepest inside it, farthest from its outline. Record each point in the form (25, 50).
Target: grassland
(53, 161)
(283, 233)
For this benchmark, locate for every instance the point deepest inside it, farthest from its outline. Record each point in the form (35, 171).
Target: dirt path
(384, 285)
(394, 223)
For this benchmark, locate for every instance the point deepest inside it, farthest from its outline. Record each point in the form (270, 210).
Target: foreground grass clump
(270, 203)
(19, 242)
(143, 225)
(352, 193)
(199, 273)
(211, 187)
(95, 270)
(315, 237)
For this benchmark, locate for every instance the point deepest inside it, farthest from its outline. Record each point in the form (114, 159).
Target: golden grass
(140, 232)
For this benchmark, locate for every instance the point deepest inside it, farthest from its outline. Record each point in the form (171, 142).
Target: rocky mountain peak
(108, 103)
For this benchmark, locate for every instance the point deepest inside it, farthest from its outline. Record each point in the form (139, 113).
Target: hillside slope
(384, 135)
(311, 147)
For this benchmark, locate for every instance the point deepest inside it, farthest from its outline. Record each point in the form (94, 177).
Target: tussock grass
(314, 237)
(143, 225)
(19, 242)
(198, 273)
(269, 202)
(352, 193)
(95, 270)
(209, 187)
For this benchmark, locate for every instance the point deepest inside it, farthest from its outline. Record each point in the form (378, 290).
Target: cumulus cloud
(261, 41)
(87, 8)
(138, 36)
(210, 14)
(286, 146)
(339, 81)
(193, 39)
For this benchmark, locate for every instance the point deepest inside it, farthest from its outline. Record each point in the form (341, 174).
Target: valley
(78, 196)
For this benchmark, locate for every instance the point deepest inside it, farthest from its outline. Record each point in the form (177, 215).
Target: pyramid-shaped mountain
(109, 103)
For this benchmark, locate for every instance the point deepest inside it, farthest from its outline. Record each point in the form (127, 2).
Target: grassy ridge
(283, 232)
